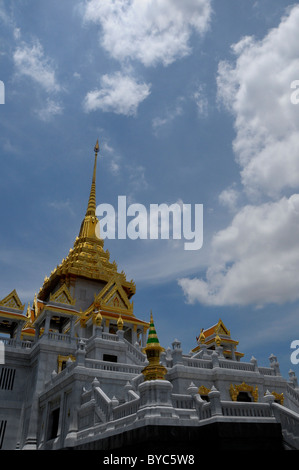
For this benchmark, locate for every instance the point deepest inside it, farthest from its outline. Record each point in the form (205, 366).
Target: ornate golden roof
(87, 258)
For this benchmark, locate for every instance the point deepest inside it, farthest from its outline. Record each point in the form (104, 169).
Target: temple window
(243, 396)
(109, 358)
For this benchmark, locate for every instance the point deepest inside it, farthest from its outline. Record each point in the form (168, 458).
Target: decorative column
(203, 346)
(215, 359)
(97, 325)
(177, 352)
(80, 354)
(214, 397)
(269, 398)
(143, 338)
(155, 391)
(106, 325)
(72, 328)
(37, 333)
(254, 362)
(293, 378)
(120, 332)
(274, 364)
(134, 335)
(47, 324)
(218, 348)
(18, 333)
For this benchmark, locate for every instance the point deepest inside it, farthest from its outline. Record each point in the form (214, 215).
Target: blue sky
(190, 102)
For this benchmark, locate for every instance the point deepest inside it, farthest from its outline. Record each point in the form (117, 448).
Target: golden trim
(120, 323)
(243, 387)
(61, 359)
(13, 301)
(203, 390)
(278, 396)
(63, 296)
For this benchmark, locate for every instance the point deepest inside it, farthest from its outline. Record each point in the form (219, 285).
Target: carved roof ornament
(120, 323)
(63, 296)
(12, 300)
(202, 337)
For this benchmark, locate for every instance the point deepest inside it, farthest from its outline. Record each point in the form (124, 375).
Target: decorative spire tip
(97, 147)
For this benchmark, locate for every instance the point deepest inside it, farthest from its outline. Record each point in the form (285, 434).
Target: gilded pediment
(12, 300)
(114, 297)
(62, 296)
(221, 329)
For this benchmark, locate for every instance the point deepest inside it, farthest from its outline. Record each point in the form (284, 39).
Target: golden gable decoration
(62, 296)
(221, 329)
(114, 298)
(12, 300)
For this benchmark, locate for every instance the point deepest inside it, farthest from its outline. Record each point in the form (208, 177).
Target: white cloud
(255, 260)
(51, 109)
(201, 101)
(111, 157)
(170, 115)
(229, 198)
(119, 93)
(256, 89)
(30, 61)
(61, 206)
(150, 31)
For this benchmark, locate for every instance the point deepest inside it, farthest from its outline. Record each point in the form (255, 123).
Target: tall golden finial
(89, 224)
(154, 370)
(91, 208)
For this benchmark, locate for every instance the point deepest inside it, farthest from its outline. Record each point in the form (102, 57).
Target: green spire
(154, 370)
(152, 335)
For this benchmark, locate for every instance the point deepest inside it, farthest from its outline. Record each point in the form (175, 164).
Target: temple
(80, 371)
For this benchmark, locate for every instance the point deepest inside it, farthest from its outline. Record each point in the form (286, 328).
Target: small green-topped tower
(154, 370)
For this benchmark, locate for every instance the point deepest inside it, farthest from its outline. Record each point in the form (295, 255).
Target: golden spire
(91, 208)
(154, 370)
(88, 226)
(88, 258)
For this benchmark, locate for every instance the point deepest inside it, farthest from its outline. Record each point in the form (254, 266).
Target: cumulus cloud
(256, 88)
(255, 259)
(30, 61)
(119, 93)
(229, 198)
(150, 31)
